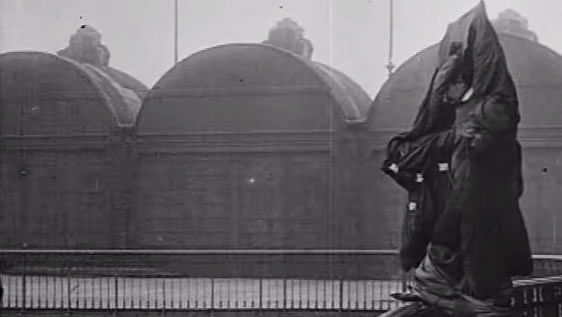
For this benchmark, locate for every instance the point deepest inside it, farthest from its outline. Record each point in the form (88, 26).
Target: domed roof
(127, 81)
(42, 93)
(536, 71)
(245, 87)
(346, 91)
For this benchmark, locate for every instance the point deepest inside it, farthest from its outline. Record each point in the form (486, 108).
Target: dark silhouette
(461, 164)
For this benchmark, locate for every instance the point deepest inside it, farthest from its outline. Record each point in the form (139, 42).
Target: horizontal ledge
(199, 252)
(57, 136)
(234, 91)
(64, 96)
(520, 128)
(236, 133)
(238, 149)
(161, 310)
(553, 257)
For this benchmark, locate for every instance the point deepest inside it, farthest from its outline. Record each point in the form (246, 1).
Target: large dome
(42, 93)
(251, 87)
(536, 70)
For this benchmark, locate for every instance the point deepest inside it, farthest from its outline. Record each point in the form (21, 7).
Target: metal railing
(109, 293)
(189, 280)
(539, 297)
(168, 280)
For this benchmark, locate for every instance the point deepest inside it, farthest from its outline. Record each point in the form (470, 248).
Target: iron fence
(167, 280)
(40, 292)
(191, 280)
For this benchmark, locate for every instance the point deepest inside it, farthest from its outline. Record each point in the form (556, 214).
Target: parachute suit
(461, 165)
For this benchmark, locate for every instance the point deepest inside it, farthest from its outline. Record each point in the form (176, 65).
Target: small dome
(536, 71)
(288, 35)
(85, 46)
(249, 87)
(512, 23)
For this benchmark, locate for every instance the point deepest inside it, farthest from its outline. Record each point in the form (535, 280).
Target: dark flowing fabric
(437, 285)
(462, 166)
(416, 309)
(423, 171)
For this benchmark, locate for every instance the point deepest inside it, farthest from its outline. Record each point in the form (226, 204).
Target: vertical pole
(404, 279)
(8, 286)
(212, 293)
(147, 286)
(391, 38)
(116, 293)
(261, 294)
(100, 289)
(68, 290)
(390, 66)
(172, 294)
(164, 296)
(24, 282)
(341, 293)
(93, 290)
(284, 293)
(62, 275)
(175, 31)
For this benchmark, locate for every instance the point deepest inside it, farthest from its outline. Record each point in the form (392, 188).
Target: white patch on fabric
(467, 95)
(443, 167)
(412, 206)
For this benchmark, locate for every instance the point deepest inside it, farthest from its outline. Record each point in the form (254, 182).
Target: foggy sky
(350, 35)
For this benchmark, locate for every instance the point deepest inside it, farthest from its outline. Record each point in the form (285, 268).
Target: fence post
(285, 293)
(2, 293)
(212, 293)
(261, 294)
(164, 296)
(115, 293)
(68, 290)
(341, 293)
(24, 282)
(404, 278)
(558, 298)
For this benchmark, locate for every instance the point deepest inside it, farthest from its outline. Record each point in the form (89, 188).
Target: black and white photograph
(281, 158)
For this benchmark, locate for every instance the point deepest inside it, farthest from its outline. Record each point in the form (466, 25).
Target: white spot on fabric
(412, 206)
(443, 167)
